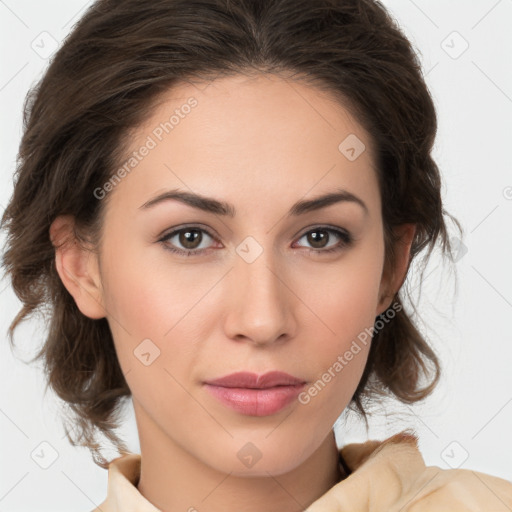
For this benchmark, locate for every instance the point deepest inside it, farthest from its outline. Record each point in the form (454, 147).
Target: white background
(467, 422)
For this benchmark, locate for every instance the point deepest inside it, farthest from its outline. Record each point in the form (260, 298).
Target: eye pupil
(318, 240)
(189, 237)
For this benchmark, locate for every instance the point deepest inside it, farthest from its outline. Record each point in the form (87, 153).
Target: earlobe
(77, 268)
(393, 278)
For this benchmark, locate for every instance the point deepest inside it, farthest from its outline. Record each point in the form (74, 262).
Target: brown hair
(103, 82)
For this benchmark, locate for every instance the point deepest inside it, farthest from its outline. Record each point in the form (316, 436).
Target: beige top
(386, 476)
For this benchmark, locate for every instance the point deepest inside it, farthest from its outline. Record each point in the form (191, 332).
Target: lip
(256, 395)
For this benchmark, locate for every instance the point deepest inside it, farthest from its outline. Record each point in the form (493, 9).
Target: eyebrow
(212, 205)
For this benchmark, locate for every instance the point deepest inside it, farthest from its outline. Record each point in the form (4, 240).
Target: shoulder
(466, 489)
(392, 475)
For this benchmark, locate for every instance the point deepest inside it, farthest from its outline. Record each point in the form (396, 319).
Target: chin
(257, 456)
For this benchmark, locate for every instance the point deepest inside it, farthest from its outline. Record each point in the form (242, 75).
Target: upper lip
(255, 381)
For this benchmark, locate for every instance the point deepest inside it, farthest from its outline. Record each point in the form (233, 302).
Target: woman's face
(274, 281)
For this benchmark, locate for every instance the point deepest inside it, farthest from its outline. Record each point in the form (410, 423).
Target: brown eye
(188, 241)
(190, 238)
(319, 240)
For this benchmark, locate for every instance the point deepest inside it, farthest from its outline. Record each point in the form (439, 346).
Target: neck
(173, 479)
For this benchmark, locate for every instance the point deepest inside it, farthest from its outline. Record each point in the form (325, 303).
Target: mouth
(256, 395)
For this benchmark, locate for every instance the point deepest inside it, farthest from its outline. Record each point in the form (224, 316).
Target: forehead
(255, 135)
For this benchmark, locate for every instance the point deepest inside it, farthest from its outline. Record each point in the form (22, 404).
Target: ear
(77, 267)
(394, 275)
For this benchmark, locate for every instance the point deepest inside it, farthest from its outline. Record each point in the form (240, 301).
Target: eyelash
(345, 236)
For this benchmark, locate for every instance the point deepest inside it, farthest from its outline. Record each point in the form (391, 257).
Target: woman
(219, 202)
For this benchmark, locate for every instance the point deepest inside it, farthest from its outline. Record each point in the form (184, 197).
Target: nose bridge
(260, 307)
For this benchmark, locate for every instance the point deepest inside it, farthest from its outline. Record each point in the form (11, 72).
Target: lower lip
(256, 402)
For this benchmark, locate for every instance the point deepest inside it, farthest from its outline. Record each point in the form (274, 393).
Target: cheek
(155, 340)
(345, 293)
(148, 296)
(340, 357)
(346, 298)
(159, 311)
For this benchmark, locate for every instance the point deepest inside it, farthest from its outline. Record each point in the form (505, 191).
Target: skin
(261, 144)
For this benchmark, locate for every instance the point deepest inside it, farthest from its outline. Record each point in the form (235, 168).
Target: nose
(261, 306)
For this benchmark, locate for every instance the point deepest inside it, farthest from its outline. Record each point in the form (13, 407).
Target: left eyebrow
(212, 205)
